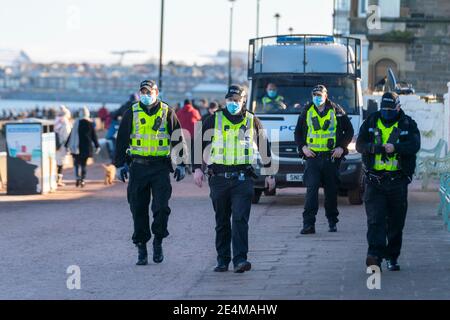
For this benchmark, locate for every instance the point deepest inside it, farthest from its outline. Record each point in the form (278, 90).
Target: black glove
(180, 173)
(122, 173)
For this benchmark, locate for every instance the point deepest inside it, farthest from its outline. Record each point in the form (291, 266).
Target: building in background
(413, 39)
(346, 14)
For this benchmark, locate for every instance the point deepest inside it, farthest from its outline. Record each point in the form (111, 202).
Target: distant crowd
(50, 113)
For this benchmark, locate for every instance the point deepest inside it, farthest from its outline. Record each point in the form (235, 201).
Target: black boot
(374, 261)
(393, 265)
(308, 230)
(332, 227)
(142, 254)
(77, 183)
(158, 256)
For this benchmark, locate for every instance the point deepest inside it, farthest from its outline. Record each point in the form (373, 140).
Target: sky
(88, 30)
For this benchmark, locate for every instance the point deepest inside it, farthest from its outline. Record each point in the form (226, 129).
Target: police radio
(157, 124)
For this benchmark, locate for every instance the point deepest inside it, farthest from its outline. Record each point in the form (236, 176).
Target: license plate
(294, 177)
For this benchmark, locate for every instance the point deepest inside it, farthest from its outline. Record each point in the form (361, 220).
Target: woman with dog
(81, 141)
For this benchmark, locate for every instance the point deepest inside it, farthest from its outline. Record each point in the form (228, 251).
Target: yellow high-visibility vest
(266, 101)
(317, 138)
(145, 139)
(233, 144)
(391, 163)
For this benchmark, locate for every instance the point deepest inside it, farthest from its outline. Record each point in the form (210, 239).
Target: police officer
(144, 141)
(272, 101)
(323, 133)
(388, 141)
(236, 139)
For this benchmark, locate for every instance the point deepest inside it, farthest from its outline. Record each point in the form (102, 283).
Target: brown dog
(110, 173)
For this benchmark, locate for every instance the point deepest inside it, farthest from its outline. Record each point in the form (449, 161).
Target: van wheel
(355, 196)
(268, 193)
(257, 195)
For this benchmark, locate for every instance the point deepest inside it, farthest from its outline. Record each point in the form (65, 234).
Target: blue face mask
(233, 107)
(318, 100)
(272, 93)
(147, 99)
(388, 114)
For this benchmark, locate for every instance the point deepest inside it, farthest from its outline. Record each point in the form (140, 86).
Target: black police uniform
(386, 194)
(149, 177)
(322, 170)
(231, 192)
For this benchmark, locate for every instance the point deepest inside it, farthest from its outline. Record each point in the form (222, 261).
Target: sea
(26, 105)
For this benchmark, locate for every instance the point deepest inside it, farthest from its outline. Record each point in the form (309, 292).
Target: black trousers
(231, 199)
(386, 206)
(79, 162)
(148, 181)
(321, 171)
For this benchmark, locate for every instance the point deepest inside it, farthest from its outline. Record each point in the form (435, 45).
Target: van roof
(304, 54)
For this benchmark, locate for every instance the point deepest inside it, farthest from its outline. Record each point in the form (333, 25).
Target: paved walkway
(40, 236)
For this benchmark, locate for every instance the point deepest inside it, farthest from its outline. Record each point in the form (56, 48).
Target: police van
(290, 66)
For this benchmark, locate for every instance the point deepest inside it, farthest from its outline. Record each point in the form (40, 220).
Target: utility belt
(240, 175)
(382, 177)
(327, 155)
(148, 161)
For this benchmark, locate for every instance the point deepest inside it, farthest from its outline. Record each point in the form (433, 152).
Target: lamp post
(277, 17)
(257, 18)
(291, 30)
(161, 47)
(231, 41)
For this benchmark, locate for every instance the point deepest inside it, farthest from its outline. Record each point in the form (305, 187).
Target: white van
(295, 64)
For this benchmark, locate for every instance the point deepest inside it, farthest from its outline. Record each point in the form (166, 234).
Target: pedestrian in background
(62, 132)
(212, 108)
(103, 114)
(81, 143)
(111, 135)
(188, 117)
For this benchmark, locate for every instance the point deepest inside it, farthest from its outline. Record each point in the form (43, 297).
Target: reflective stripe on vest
(145, 141)
(231, 145)
(391, 162)
(317, 140)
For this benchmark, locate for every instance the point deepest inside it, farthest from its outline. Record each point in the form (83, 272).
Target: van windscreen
(289, 94)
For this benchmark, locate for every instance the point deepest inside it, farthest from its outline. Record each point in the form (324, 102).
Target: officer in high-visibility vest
(144, 151)
(323, 133)
(388, 141)
(237, 138)
(272, 100)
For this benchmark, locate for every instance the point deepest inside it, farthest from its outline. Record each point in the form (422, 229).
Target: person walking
(237, 138)
(322, 134)
(148, 132)
(388, 141)
(81, 143)
(62, 132)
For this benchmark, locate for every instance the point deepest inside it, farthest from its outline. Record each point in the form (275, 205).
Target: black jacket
(259, 136)
(87, 138)
(344, 128)
(126, 125)
(407, 147)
